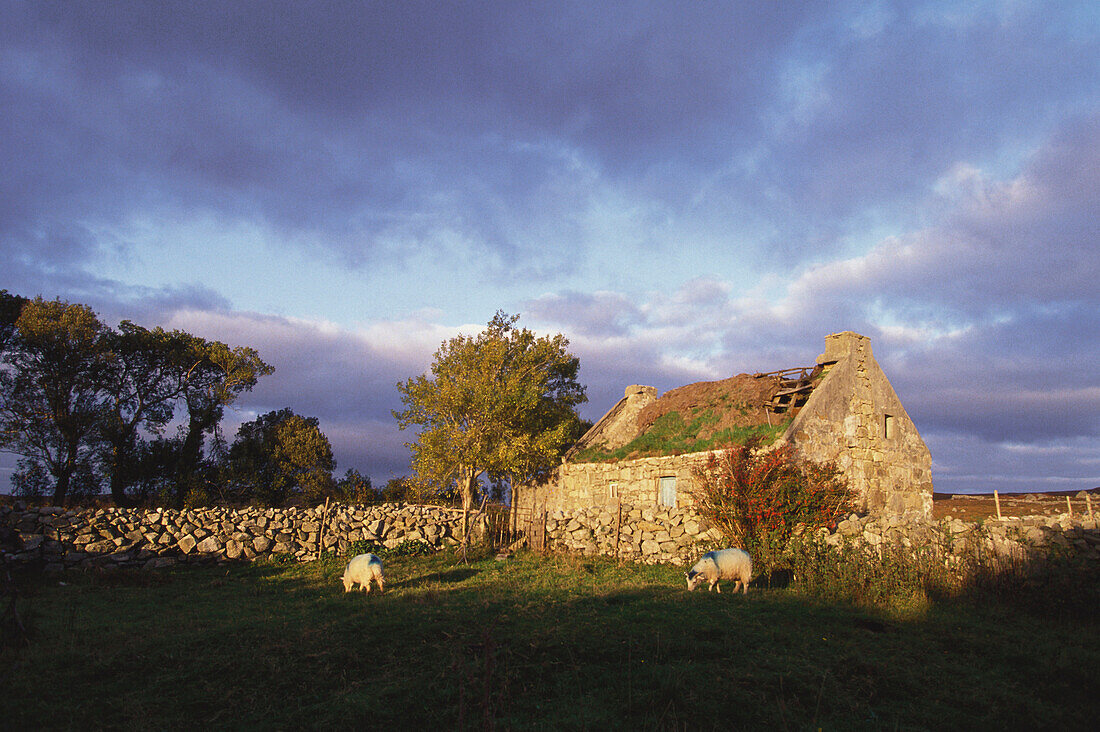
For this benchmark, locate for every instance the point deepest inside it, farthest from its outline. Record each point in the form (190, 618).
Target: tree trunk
(467, 488)
(65, 474)
(61, 489)
(199, 421)
(121, 461)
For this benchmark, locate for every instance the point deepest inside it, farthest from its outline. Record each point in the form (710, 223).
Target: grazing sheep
(723, 564)
(363, 569)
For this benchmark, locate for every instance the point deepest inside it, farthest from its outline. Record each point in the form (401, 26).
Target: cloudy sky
(685, 190)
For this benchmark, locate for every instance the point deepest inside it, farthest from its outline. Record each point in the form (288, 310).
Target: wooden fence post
(997, 500)
(542, 531)
(321, 532)
(1069, 507)
(1088, 502)
(618, 527)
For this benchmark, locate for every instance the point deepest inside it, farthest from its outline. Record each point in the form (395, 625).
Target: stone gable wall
(620, 425)
(844, 421)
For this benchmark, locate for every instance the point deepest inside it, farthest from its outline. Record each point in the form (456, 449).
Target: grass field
(530, 643)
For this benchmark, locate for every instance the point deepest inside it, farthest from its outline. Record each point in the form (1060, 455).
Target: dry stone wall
(113, 537)
(679, 536)
(643, 533)
(1023, 538)
(119, 537)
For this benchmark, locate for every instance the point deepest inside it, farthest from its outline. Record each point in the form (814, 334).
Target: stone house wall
(855, 419)
(574, 486)
(620, 425)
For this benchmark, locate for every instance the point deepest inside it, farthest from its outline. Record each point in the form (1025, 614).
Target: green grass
(530, 643)
(671, 434)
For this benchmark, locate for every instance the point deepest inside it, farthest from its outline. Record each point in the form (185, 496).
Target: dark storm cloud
(889, 109)
(363, 123)
(630, 77)
(366, 124)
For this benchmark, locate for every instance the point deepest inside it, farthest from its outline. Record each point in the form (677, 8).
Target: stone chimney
(635, 392)
(841, 345)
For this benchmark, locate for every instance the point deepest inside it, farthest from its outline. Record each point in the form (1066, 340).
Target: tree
(502, 402)
(279, 454)
(50, 396)
(152, 474)
(147, 373)
(356, 488)
(397, 490)
(214, 375)
(10, 308)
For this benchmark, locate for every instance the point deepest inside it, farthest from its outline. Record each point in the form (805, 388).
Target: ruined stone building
(842, 409)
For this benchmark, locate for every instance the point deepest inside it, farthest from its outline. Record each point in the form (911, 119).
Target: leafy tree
(31, 479)
(356, 488)
(502, 402)
(50, 396)
(395, 490)
(214, 375)
(147, 373)
(279, 454)
(77, 396)
(10, 307)
(152, 472)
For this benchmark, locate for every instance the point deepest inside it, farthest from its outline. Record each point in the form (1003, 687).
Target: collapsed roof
(698, 416)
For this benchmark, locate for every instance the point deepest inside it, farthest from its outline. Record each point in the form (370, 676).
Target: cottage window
(888, 428)
(667, 493)
(612, 490)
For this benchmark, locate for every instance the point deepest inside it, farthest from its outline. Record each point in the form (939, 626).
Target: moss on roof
(698, 417)
(672, 434)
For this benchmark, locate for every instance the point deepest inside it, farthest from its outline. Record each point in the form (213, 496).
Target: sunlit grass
(528, 643)
(673, 434)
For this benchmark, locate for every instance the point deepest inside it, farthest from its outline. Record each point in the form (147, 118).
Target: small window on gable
(612, 490)
(667, 492)
(888, 427)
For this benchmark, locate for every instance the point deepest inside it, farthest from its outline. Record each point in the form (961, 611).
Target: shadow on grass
(535, 644)
(450, 576)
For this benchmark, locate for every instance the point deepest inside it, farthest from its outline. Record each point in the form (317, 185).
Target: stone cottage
(842, 409)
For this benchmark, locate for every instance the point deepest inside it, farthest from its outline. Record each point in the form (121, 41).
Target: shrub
(756, 498)
(396, 490)
(941, 565)
(888, 574)
(356, 488)
(404, 549)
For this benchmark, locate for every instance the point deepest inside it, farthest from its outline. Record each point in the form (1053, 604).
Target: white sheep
(363, 569)
(722, 564)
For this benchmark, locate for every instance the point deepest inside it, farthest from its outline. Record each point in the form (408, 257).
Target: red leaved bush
(757, 497)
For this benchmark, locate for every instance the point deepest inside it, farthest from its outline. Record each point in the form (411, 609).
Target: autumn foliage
(757, 497)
